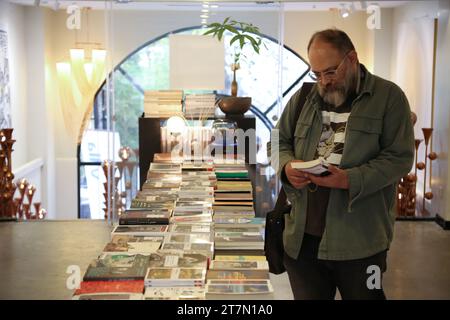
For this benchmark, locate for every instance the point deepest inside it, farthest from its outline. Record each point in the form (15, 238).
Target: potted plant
(245, 34)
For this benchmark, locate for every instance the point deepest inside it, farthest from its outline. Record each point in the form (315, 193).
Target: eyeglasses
(329, 74)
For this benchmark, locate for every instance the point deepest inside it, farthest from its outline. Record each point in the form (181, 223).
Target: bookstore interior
(141, 144)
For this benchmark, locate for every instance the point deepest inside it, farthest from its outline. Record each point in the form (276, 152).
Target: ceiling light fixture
(344, 11)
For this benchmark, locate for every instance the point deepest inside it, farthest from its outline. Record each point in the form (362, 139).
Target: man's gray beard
(338, 96)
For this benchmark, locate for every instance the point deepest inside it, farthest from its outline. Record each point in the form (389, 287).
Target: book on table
(96, 287)
(239, 290)
(180, 259)
(174, 293)
(145, 217)
(109, 296)
(239, 265)
(141, 230)
(172, 277)
(133, 244)
(117, 267)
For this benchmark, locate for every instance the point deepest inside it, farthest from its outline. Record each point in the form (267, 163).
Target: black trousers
(314, 279)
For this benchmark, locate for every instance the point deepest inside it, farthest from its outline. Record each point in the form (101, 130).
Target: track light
(344, 11)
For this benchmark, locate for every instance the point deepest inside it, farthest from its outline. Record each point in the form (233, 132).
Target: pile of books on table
(239, 277)
(167, 245)
(199, 105)
(162, 103)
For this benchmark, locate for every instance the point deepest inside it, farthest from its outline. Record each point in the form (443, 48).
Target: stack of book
(233, 196)
(148, 211)
(166, 242)
(169, 269)
(154, 204)
(200, 105)
(114, 276)
(239, 277)
(162, 103)
(199, 179)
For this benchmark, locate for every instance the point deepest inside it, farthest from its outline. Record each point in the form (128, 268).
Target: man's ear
(353, 56)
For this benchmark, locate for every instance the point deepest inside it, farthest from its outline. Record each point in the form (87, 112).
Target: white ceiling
(289, 5)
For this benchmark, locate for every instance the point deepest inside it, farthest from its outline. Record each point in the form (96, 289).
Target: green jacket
(378, 151)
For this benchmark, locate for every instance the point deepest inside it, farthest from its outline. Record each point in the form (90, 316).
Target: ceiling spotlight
(344, 11)
(214, 6)
(205, 10)
(204, 16)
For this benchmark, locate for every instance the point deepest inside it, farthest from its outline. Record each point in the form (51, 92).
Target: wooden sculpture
(7, 187)
(406, 189)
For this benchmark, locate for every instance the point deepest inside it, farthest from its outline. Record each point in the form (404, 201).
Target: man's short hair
(337, 38)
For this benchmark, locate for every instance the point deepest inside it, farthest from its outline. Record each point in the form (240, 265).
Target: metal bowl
(235, 105)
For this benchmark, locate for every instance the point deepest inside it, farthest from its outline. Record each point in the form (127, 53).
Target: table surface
(35, 257)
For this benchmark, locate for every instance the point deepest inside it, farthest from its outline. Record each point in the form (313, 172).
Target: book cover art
(187, 260)
(174, 293)
(238, 289)
(117, 267)
(145, 230)
(131, 286)
(238, 275)
(239, 265)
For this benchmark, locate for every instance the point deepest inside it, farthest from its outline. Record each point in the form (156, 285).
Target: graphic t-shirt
(330, 147)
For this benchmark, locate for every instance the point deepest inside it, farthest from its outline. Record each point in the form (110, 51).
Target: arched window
(147, 68)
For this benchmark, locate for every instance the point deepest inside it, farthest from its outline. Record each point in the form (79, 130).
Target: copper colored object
(7, 187)
(427, 135)
(432, 156)
(420, 166)
(406, 195)
(37, 206)
(235, 105)
(417, 144)
(429, 195)
(112, 197)
(26, 210)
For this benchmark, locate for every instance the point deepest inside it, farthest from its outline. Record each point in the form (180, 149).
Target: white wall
(32, 128)
(412, 57)
(412, 65)
(300, 26)
(441, 166)
(12, 17)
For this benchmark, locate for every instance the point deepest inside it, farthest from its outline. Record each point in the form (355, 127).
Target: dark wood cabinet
(150, 139)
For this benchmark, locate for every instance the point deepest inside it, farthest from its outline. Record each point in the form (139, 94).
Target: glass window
(148, 69)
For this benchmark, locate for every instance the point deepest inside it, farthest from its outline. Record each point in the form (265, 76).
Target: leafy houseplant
(243, 33)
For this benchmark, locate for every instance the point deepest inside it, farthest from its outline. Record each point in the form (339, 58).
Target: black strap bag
(273, 238)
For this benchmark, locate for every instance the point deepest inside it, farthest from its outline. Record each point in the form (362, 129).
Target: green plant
(243, 33)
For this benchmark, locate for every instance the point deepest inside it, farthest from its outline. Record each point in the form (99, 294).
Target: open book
(317, 167)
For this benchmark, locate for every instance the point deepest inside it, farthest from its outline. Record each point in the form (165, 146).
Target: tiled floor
(418, 265)
(34, 257)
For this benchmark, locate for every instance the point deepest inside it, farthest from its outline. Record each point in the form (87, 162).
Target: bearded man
(341, 225)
